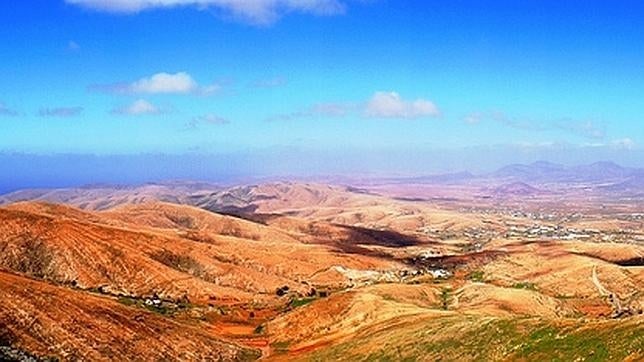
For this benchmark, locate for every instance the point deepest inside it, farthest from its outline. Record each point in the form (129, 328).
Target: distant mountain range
(536, 172)
(538, 178)
(547, 172)
(532, 179)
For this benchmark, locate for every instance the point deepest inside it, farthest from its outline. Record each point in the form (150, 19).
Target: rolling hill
(308, 271)
(50, 321)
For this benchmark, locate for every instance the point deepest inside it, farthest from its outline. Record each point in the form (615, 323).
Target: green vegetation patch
(280, 346)
(298, 302)
(470, 338)
(525, 285)
(477, 276)
(564, 296)
(127, 301)
(558, 345)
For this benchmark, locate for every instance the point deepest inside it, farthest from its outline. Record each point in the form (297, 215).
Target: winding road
(612, 297)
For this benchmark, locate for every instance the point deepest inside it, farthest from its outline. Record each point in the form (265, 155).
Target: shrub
(184, 263)
(525, 285)
(477, 276)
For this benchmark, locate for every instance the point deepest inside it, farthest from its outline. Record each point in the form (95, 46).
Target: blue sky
(115, 77)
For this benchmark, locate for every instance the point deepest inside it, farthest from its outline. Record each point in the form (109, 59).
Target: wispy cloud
(60, 112)
(6, 111)
(620, 144)
(584, 128)
(320, 110)
(161, 83)
(259, 12)
(624, 144)
(517, 122)
(207, 119)
(269, 83)
(474, 118)
(138, 108)
(392, 105)
(73, 46)
(381, 105)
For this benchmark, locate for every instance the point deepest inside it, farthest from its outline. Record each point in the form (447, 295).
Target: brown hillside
(72, 325)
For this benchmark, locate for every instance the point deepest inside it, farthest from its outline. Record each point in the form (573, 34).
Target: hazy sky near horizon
(115, 77)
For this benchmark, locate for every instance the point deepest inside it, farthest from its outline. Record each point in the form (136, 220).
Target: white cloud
(391, 105)
(161, 83)
(180, 82)
(138, 108)
(381, 105)
(261, 12)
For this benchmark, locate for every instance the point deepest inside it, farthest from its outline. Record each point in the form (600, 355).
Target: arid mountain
(600, 179)
(70, 247)
(633, 184)
(536, 169)
(58, 322)
(163, 249)
(517, 189)
(309, 271)
(103, 197)
(333, 204)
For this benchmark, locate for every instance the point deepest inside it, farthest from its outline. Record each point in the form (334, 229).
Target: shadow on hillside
(387, 238)
(345, 247)
(353, 239)
(246, 213)
(358, 239)
(451, 262)
(635, 261)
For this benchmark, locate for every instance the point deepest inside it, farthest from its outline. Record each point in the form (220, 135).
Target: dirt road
(612, 297)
